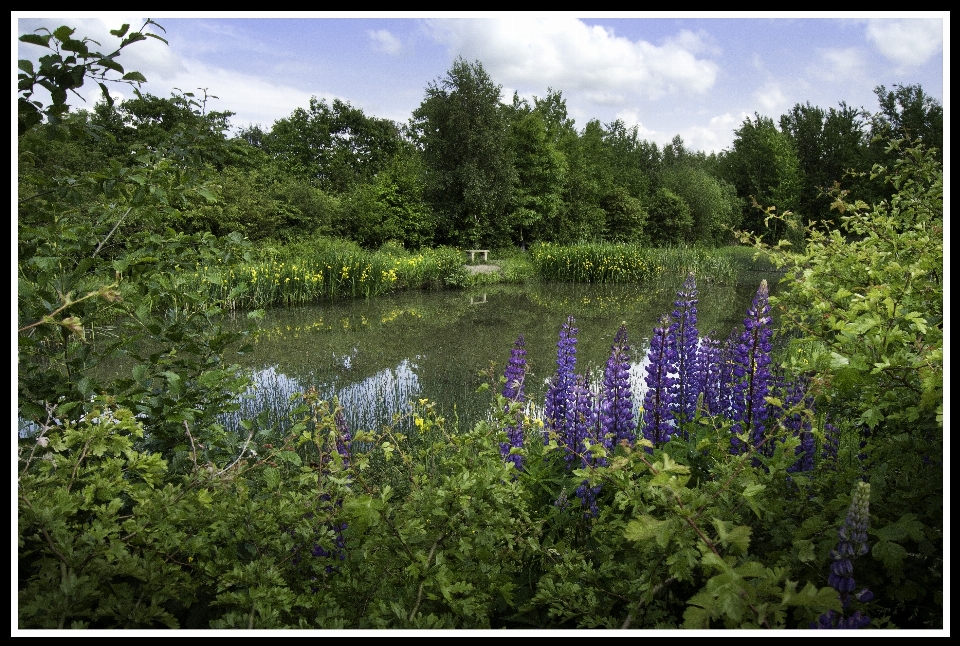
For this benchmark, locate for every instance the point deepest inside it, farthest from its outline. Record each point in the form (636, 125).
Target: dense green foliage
(137, 509)
(468, 170)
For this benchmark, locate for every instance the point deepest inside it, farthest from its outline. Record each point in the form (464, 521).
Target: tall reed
(604, 262)
(324, 269)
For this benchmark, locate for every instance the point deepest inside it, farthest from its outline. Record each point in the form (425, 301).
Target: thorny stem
(416, 606)
(642, 603)
(104, 241)
(49, 317)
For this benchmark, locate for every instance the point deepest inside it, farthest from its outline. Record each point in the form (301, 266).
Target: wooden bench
(472, 253)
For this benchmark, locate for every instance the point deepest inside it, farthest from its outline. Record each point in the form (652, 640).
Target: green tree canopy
(763, 165)
(829, 143)
(335, 145)
(462, 128)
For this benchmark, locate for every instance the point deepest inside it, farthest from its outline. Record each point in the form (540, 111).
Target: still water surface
(377, 355)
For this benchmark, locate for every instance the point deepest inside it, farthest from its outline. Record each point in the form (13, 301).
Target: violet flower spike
(661, 387)
(853, 543)
(513, 390)
(684, 339)
(616, 403)
(559, 407)
(751, 371)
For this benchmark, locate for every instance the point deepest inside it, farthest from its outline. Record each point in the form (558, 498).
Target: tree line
(470, 170)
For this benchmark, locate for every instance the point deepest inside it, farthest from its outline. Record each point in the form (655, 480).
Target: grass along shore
(324, 269)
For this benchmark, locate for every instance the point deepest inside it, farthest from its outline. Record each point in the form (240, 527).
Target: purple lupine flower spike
(684, 340)
(513, 390)
(751, 371)
(616, 403)
(711, 364)
(799, 425)
(559, 407)
(831, 442)
(661, 387)
(583, 432)
(343, 435)
(853, 543)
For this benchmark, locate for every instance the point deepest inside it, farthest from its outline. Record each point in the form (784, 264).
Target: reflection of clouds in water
(367, 404)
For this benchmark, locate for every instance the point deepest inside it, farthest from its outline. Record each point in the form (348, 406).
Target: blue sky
(698, 76)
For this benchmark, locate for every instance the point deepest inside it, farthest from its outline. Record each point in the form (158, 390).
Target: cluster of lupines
(683, 372)
(513, 391)
(853, 543)
(578, 418)
(732, 380)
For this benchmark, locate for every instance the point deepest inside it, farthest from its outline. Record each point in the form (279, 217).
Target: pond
(377, 355)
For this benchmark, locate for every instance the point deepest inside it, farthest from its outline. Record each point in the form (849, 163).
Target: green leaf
(207, 195)
(63, 33)
(134, 76)
(106, 97)
(135, 37)
(110, 64)
(804, 550)
(642, 529)
(290, 458)
(36, 39)
(162, 40)
(838, 360)
(26, 66)
(174, 380)
(736, 539)
(890, 554)
(120, 33)
(811, 597)
(272, 477)
(84, 387)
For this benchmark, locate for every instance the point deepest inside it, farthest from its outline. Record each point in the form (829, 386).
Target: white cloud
(717, 135)
(566, 53)
(771, 98)
(631, 118)
(253, 99)
(384, 41)
(906, 41)
(837, 65)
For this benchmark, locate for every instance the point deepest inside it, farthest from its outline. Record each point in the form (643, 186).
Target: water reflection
(377, 355)
(367, 403)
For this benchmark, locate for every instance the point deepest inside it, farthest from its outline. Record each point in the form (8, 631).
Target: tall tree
(462, 129)
(829, 144)
(583, 217)
(336, 145)
(714, 207)
(906, 112)
(763, 166)
(541, 169)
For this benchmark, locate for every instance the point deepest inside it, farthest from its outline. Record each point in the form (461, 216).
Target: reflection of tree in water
(367, 404)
